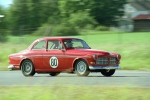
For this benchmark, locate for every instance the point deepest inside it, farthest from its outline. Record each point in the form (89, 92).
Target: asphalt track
(120, 78)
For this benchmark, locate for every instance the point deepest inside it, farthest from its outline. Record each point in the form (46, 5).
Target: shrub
(65, 29)
(41, 30)
(82, 20)
(3, 35)
(102, 28)
(57, 30)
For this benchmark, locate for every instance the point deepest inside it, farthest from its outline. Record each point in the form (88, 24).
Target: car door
(37, 54)
(54, 57)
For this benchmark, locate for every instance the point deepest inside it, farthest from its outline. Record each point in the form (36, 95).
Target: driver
(69, 44)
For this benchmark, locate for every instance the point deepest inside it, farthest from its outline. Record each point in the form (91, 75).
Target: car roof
(59, 38)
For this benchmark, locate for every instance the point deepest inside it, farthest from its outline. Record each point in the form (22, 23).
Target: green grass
(134, 47)
(57, 92)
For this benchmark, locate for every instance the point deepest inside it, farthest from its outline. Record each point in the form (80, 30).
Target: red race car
(54, 55)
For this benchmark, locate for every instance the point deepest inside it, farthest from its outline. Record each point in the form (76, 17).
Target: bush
(82, 20)
(41, 30)
(89, 27)
(57, 26)
(65, 30)
(3, 35)
(56, 30)
(102, 28)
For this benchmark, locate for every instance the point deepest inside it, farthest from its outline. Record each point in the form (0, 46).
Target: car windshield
(76, 44)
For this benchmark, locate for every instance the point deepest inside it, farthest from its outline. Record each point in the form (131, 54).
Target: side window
(73, 43)
(54, 44)
(77, 44)
(40, 45)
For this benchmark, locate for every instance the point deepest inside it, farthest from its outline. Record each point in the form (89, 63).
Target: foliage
(67, 26)
(102, 28)
(27, 15)
(81, 20)
(103, 11)
(18, 15)
(3, 25)
(67, 17)
(63, 29)
(41, 31)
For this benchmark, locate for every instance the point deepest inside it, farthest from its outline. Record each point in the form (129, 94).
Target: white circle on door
(53, 62)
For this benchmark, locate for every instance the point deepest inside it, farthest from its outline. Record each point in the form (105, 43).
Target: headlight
(95, 56)
(118, 56)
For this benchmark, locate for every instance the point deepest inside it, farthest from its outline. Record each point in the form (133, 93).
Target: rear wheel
(108, 72)
(81, 68)
(54, 74)
(27, 68)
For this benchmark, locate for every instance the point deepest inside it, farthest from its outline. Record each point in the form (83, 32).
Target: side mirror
(46, 49)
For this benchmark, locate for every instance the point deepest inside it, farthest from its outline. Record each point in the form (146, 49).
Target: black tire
(54, 74)
(81, 68)
(27, 68)
(108, 72)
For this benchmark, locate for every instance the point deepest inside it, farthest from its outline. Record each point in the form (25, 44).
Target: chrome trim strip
(11, 67)
(103, 67)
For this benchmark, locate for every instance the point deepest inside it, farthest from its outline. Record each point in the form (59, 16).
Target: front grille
(112, 60)
(104, 60)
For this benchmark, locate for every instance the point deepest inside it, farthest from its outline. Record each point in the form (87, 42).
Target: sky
(5, 3)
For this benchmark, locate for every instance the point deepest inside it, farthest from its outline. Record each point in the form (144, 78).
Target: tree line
(61, 17)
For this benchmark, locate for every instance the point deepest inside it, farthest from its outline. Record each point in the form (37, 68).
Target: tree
(19, 15)
(103, 11)
(27, 15)
(3, 24)
(81, 20)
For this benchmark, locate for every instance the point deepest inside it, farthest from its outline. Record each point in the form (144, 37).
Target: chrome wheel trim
(27, 67)
(81, 67)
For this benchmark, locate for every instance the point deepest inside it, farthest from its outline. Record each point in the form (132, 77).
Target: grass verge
(73, 93)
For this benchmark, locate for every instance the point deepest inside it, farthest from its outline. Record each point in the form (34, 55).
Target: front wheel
(54, 74)
(81, 68)
(108, 72)
(27, 68)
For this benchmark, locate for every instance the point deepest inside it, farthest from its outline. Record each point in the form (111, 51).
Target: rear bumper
(103, 67)
(11, 67)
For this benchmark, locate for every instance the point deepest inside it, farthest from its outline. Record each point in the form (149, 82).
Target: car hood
(88, 51)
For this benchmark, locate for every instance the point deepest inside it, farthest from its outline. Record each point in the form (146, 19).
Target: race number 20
(53, 62)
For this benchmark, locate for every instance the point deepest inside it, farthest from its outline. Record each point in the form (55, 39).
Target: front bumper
(103, 67)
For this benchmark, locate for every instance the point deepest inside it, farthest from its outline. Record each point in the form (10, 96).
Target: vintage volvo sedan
(54, 55)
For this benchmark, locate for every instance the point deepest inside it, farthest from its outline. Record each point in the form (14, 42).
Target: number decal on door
(53, 62)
